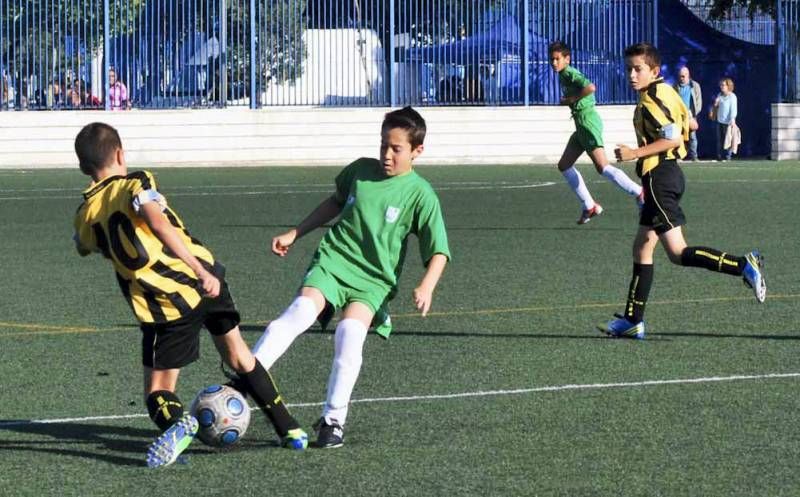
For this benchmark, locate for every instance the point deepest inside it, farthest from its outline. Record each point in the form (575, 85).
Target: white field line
(191, 191)
(486, 393)
(267, 190)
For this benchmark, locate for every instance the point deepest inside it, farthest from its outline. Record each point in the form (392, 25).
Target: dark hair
(650, 53)
(408, 119)
(95, 147)
(560, 47)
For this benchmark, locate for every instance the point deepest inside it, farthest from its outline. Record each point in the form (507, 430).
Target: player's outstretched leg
(348, 345)
(616, 176)
(750, 266)
(167, 447)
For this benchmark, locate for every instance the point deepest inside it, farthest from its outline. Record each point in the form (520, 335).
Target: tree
(721, 9)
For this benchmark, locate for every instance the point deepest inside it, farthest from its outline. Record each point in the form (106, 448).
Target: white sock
(575, 181)
(350, 336)
(619, 178)
(280, 333)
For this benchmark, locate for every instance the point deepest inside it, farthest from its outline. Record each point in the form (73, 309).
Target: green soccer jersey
(572, 82)
(367, 245)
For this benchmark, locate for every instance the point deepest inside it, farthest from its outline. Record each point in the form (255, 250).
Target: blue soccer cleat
(167, 447)
(296, 439)
(753, 275)
(620, 327)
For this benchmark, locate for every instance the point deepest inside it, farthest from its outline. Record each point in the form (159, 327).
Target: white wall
(301, 135)
(311, 136)
(785, 131)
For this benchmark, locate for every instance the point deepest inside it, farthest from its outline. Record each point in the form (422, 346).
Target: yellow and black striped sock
(165, 408)
(713, 260)
(262, 388)
(638, 292)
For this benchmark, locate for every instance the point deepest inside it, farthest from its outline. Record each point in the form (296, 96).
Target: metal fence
(215, 53)
(788, 34)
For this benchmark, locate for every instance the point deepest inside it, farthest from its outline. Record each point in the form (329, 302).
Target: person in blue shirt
(692, 97)
(724, 112)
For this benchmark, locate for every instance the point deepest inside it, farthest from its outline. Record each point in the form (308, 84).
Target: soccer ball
(223, 415)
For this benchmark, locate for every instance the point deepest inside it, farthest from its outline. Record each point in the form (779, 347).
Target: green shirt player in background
(358, 263)
(174, 286)
(661, 121)
(578, 93)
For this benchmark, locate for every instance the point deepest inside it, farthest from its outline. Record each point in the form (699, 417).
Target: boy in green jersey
(578, 93)
(358, 263)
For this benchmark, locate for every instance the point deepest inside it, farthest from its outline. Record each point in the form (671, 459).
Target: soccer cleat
(620, 327)
(167, 447)
(588, 214)
(330, 434)
(753, 275)
(296, 439)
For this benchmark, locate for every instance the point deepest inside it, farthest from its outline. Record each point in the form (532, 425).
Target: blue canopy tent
(497, 49)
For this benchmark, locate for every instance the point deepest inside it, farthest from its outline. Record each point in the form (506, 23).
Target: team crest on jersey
(392, 213)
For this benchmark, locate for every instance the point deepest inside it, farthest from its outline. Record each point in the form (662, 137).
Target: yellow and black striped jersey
(660, 113)
(158, 285)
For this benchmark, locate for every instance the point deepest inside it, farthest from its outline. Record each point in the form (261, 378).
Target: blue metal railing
(216, 53)
(788, 45)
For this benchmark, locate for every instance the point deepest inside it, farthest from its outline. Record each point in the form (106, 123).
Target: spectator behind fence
(724, 113)
(55, 96)
(692, 96)
(117, 92)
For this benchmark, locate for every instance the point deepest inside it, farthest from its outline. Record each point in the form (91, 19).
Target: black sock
(713, 260)
(264, 392)
(165, 408)
(638, 292)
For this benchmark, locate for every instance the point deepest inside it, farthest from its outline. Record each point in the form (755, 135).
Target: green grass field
(505, 389)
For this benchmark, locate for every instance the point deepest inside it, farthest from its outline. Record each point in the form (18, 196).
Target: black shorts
(177, 343)
(663, 188)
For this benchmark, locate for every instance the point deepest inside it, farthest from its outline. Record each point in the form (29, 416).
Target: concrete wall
(785, 131)
(301, 135)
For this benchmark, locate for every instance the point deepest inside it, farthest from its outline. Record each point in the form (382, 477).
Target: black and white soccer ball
(223, 415)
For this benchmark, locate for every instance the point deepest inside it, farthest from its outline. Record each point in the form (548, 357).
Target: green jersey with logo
(572, 82)
(367, 245)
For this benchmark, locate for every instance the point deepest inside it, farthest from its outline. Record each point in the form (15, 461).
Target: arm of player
(82, 251)
(168, 235)
(669, 137)
(585, 92)
(423, 294)
(325, 211)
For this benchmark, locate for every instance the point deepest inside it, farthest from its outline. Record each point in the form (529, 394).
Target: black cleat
(330, 434)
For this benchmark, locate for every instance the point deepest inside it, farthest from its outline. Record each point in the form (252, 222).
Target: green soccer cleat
(296, 439)
(167, 447)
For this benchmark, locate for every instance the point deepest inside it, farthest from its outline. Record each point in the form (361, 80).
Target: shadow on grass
(450, 228)
(450, 334)
(117, 445)
(711, 334)
(88, 441)
(661, 336)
